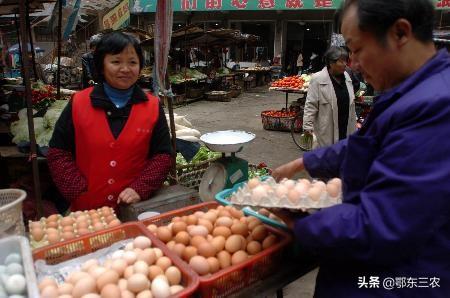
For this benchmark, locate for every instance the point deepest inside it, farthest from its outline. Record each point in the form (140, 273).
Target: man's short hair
(377, 16)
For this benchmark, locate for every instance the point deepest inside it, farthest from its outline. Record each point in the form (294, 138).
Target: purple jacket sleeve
(403, 203)
(325, 162)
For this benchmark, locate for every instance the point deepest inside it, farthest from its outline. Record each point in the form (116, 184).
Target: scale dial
(213, 181)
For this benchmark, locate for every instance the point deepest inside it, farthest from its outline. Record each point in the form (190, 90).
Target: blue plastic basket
(223, 196)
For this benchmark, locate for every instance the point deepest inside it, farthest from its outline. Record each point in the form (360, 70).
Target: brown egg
(49, 292)
(106, 210)
(110, 291)
(122, 284)
(236, 213)
(35, 224)
(83, 231)
(170, 244)
(152, 228)
(199, 214)
(224, 258)
(173, 275)
(154, 271)
(182, 237)
(269, 241)
(178, 226)
(84, 286)
(259, 233)
(197, 240)
(243, 220)
(140, 267)
(67, 229)
(240, 229)
(164, 234)
(82, 224)
(233, 243)
(224, 221)
(254, 247)
(211, 216)
(137, 283)
(107, 277)
(47, 281)
(238, 257)
(158, 253)
(53, 238)
(178, 249)
(109, 218)
(218, 242)
(75, 276)
(222, 231)
(127, 294)
(176, 219)
(37, 234)
(199, 264)
(114, 223)
(65, 288)
(129, 271)
(119, 265)
(52, 224)
(68, 235)
(164, 263)
(130, 257)
(53, 217)
(147, 255)
(189, 252)
(88, 264)
(191, 220)
(67, 221)
(145, 294)
(96, 271)
(206, 223)
(81, 218)
(214, 264)
(224, 213)
(78, 214)
(206, 249)
(253, 222)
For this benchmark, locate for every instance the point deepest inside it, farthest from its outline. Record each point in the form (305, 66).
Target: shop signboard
(261, 5)
(117, 17)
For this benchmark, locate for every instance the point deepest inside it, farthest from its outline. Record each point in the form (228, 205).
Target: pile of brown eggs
(216, 239)
(57, 228)
(138, 271)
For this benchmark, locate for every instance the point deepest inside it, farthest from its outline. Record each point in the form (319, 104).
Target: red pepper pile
(42, 96)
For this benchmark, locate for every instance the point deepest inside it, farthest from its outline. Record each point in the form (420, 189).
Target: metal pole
(58, 74)
(27, 84)
(173, 169)
(30, 36)
(19, 43)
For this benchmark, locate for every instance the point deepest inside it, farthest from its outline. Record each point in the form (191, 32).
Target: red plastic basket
(85, 244)
(232, 279)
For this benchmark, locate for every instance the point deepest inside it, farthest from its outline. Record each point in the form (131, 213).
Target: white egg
(281, 191)
(117, 254)
(160, 288)
(258, 194)
(13, 258)
(2, 269)
(289, 184)
(14, 268)
(15, 284)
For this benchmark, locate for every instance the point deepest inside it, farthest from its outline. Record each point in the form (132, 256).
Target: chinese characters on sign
(323, 3)
(188, 4)
(443, 3)
(389, 283)
(239, 4)
(117, 17)
(294, 3)
(213, 4)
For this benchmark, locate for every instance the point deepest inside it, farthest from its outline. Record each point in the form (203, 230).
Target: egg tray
(242, 196)
(86, 244)
(234, 278)
(20, 244)
(223, 198)
(43, 221)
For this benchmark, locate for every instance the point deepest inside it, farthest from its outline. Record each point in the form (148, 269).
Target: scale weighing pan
(227, 141)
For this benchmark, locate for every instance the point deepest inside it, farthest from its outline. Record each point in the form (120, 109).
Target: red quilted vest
(110, 164)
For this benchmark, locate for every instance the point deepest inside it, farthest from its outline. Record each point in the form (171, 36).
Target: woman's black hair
(377, 16)
(334, 54)
(114, 43)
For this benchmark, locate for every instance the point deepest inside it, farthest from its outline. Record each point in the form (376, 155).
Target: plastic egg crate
(291, 194)
(56, 227)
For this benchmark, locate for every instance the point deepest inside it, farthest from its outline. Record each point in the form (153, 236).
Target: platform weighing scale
(227, 170)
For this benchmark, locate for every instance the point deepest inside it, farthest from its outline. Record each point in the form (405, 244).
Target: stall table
(289, 90)
(259, 73)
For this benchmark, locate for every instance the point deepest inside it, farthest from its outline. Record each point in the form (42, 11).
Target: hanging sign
(140, 6)
(117, 17)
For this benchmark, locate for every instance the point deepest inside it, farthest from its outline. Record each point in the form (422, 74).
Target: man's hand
(288, 170)
(128, 196)
(288, 217)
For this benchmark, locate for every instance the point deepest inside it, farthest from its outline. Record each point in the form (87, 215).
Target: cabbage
(51, 117)
(23, 113)
(20, 129)
(44, 138)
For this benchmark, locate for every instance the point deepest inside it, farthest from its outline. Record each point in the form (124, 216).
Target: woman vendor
(111, 144)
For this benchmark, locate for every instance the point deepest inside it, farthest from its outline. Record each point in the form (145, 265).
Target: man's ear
(401, 32)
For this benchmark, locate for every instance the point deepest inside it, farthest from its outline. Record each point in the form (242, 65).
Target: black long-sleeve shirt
(343, 103)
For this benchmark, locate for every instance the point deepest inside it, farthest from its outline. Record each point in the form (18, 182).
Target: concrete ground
(272, 147)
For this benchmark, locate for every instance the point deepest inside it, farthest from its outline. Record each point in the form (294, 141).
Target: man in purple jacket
(391, 235)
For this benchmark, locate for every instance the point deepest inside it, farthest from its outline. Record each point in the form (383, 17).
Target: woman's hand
(128, 196)
(288, 217)
(288, 170)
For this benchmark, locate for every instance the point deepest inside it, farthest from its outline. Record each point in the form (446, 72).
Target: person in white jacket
(330, 104)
